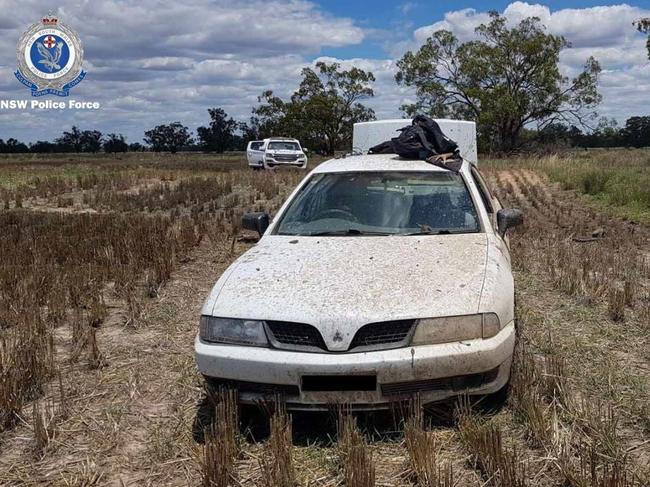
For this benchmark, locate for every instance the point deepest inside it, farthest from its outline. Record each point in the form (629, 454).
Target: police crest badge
(50, 58)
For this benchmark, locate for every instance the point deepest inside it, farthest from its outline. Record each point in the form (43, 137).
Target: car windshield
(381, 203)
(283, 146)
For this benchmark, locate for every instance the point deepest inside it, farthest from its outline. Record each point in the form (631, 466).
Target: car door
(255, 152)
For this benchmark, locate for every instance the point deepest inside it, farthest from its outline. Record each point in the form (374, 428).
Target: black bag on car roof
(420, 140)
(423, 140)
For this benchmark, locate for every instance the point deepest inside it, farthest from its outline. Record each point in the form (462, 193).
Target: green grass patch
(617, 180)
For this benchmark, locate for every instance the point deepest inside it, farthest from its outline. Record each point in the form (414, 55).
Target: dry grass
(26, 363)
(221, 447)
(355, 456)
(276, 462)
(55, 269)
(424, 466)
(581, 433)
(558, 241)
(500, 465)
(41, 424)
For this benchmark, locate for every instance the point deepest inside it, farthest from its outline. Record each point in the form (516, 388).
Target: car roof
(375, 162)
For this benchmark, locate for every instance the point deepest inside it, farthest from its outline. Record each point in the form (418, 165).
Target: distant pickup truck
(274, 152)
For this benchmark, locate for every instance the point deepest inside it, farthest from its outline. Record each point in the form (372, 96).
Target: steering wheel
(337, 213)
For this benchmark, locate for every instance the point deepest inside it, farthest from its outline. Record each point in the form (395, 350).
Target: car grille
(297, 334)
(285, 157)
(384, 333)
(457, 383)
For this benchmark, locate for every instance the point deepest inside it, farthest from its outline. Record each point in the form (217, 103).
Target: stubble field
(106, 262)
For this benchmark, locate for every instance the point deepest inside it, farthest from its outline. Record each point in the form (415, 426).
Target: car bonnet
(338, 284)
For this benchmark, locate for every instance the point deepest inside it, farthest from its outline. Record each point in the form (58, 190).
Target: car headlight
(456, 328)
(233, 331)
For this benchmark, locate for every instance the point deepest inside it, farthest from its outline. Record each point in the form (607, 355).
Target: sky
(152, 61)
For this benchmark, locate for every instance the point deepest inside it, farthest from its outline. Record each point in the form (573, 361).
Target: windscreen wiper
(428, 231)
(348, 231)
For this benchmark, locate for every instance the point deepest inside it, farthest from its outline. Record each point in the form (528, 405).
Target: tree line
(75, 140)
(174, 137)
(635, 133)
(507, 80)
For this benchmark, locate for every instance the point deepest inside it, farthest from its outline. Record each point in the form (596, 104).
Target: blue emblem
(50, 58)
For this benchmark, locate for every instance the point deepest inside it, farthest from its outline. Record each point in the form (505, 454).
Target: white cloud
(162, 61)
(151, 62)
(460, 22)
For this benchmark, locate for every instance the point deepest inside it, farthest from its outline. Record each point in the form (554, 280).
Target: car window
(283, 146)
(388, 202)
(256, 145)
(483, 189)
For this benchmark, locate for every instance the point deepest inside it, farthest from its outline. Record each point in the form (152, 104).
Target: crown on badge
(49, 20)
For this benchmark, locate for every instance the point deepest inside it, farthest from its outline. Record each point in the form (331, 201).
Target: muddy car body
(402, 287)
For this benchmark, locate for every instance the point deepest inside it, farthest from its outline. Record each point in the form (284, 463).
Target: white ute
(379, 278)
(274, 152)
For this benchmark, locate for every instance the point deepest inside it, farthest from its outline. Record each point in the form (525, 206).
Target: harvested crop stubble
(151, 190)
(55, 271)
(583, 252)
(276, 462)
(580, 435)
(423, 464)
(584, 441)
(355, 456)
(500, 465)
(595, 260)
(221, 447)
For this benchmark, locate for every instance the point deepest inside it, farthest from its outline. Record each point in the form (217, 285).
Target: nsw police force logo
(50, 58)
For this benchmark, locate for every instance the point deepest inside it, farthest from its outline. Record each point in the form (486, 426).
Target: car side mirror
(508, 218)
(305, 150)
(257, 222)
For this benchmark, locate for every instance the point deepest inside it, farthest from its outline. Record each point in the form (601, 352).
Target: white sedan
(379, 278)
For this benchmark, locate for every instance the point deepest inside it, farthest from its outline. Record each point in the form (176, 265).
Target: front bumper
(274, 163)
(435, 372)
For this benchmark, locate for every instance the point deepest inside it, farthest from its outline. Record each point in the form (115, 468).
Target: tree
(556, 135)
(505, 80)
(136, 147)
(322, 111)
(643, 26)
(636, 132)
(115, 143)
(13, 146)
(168, 137)
(251, 130)
(91, 141)
(70, 141)
(44, 146)
(605, 134)
(220, 135)
(79, 141)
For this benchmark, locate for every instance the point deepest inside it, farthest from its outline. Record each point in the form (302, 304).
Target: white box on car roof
(368, 134)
